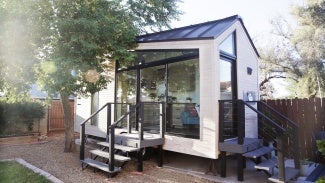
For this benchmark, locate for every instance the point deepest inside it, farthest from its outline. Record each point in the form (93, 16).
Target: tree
(85, 38)
(19, 39)
(298, 56)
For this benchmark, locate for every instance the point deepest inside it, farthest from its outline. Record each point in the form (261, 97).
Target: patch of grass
(14, 172)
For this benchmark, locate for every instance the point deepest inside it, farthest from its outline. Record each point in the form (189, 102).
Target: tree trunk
(69, 145)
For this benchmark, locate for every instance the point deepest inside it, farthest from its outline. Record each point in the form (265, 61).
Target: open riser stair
(268, 151)
(112, 154)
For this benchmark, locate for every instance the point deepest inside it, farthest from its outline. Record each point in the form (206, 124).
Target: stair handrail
(83, 126)
(281, 166)
(132, 110)
(280, 138)
(282, 130)
(278, 113)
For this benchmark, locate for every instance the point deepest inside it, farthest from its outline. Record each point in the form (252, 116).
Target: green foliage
(321, 180)
(321, 146)
(15, 173)
(14, 115)
(299, 54)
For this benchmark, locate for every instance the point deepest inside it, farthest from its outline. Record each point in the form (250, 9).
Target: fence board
(309, 114)
(56, 116)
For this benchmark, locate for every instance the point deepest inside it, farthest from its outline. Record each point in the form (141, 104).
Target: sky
(256, 15)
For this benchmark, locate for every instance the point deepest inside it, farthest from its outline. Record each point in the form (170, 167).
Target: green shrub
(15, 115)
(321, 146)
(321, 180)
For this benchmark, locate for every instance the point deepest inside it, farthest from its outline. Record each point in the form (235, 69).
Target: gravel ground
(49, 156)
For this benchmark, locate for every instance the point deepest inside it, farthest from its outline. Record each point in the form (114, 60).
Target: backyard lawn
(14, 172)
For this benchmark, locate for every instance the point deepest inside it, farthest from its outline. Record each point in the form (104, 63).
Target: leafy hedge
(18, 118)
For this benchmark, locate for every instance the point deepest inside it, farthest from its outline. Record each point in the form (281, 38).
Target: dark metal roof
(207, 30)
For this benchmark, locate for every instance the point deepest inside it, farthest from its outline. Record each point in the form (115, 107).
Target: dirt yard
(49, 156)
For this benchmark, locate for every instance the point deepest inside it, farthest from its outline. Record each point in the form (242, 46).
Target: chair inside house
(190, 116)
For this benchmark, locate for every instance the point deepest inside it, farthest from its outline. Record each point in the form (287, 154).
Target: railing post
(82, 142)
(109, 119)
(281, 165)
(140, 121)
(162, 120)
(297, 146)
(128, 125)
(221, 120)
(111, 148)
(241, 121)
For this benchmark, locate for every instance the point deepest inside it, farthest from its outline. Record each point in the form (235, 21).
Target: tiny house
(192, 90)
(190, 69)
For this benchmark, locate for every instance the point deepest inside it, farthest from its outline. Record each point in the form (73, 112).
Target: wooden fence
(309, 114)
(56, 121)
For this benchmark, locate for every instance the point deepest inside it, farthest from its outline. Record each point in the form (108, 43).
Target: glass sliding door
(227, 92)
(152, 89)
(170, 76)
(153, 84)
(183, 98)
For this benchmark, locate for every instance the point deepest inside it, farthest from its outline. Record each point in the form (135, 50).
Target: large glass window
(225, 80)
(126, 87)
(228, 45)
(183, 98)
(170, 76)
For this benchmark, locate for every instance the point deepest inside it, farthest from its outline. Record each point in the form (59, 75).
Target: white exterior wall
(207, 145)
(83, 111)
(246, 57)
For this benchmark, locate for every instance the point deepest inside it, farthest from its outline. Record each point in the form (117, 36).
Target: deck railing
(281, 129)
(138, 110)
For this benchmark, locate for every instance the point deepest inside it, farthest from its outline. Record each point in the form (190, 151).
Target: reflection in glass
(153, 85)
(126, 87)
(228, 45)
(225, 80)
(170, 76)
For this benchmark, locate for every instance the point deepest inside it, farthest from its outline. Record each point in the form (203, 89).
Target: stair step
(258, 152)
(120, 147)
(106, 155)
(290, 173)
(267, 165)
(100, 165)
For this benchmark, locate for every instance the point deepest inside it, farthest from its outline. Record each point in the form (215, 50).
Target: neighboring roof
(207, 30)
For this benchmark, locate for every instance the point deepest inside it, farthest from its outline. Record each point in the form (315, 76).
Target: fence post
(281, 165)
(297, 147)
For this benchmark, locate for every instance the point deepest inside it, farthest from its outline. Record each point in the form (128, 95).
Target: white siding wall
(206, 146)
(246, 57)
(83, 109)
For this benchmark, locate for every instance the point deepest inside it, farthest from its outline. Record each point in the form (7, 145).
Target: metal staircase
(126, 135)
(272, 126)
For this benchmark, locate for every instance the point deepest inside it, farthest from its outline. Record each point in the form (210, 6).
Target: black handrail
(111, 128)
(280, 130)
(132, 110)
(266, 117)
(281, 115)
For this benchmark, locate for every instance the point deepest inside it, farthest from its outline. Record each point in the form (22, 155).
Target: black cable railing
(281, 129)
(138, 109)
